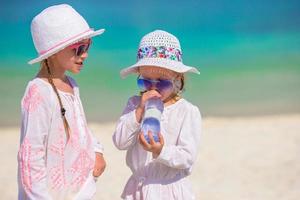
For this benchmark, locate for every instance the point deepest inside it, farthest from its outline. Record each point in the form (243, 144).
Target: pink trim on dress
(32, 99)
(57, 173)
(81, 166)
(25, 165)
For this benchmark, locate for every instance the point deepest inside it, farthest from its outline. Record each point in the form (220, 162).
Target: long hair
(44, 64)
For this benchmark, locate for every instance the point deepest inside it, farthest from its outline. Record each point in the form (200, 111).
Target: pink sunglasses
(81, 47)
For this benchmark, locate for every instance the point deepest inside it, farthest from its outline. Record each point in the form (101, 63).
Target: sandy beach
(249, 158)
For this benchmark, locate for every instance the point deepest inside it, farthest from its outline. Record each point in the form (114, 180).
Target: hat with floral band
(161, 49)
(57, 27)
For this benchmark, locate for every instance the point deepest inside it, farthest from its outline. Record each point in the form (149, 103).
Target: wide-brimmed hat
(161, 49)
(57, 27)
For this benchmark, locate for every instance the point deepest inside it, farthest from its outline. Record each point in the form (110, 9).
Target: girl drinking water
(159, 169)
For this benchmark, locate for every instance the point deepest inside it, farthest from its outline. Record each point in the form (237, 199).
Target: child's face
(67, 59)
(157, 73)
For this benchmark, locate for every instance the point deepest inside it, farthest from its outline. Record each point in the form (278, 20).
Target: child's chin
(75, 71)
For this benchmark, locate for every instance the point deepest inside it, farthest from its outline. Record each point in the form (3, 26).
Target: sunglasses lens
(81, 49)
(164, 84)
(144, 84)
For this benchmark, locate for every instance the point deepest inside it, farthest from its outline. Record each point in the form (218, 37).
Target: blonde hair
(179, 90)
(44, 64)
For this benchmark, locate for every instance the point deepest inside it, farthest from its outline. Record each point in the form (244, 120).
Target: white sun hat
(161, 49)
(57, 27)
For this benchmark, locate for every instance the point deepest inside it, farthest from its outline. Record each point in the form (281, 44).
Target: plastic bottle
(151, 120)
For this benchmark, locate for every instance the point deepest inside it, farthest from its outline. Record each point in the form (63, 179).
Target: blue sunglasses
(159, 84)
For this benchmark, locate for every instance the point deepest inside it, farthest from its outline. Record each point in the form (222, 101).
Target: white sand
(255, 158)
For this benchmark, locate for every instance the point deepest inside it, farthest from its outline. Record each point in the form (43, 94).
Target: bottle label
(152, 112)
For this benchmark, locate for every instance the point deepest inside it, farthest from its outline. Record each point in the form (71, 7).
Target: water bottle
(151, 120)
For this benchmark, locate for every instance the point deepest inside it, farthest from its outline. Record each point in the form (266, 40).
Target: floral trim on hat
(160, 52)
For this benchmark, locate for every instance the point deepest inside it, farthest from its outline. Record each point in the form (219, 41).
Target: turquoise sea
(248, 56)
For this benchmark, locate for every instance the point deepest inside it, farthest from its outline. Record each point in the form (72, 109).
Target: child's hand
(100, 165)
(148, 95)
(145, 96)
(154, 147)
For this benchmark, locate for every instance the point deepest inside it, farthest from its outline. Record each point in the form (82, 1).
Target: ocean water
(254, 76)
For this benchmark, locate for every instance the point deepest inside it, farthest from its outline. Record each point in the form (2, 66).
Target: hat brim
(86, 35)
(158, 62)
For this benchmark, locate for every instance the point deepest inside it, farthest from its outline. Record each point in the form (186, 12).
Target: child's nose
(84, 55)
(153, 87)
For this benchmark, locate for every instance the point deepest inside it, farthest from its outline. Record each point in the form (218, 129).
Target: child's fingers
(152, 93)
(161, 139)
(100, 165)
(97, 172)
(143, 141)
(152, 142)
(155, 93)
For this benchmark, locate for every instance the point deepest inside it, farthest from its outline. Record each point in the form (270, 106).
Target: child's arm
(127, 126)
(36, 114)
(183, 155)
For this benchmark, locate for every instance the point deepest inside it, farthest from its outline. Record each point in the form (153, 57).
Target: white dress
(49, 167)
(163, 178)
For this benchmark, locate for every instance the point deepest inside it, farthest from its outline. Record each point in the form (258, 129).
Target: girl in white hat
(159, 168)
(58, 157)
